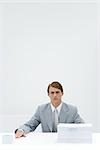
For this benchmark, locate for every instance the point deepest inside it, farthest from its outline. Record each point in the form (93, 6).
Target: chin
(56, 99)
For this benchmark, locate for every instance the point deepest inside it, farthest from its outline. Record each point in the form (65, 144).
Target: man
(50, 114)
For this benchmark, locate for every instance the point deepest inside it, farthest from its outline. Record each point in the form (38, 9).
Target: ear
(62, 93)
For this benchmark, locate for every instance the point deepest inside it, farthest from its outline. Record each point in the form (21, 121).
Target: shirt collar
(58, 108)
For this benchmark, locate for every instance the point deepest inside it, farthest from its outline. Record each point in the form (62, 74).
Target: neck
(56, 104)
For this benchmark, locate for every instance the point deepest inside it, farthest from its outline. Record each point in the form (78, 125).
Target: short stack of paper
(74, 133)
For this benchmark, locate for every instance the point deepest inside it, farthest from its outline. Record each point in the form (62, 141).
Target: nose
(55, 93)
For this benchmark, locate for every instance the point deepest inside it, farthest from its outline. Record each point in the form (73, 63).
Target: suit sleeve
(32, 123)
(77, 118)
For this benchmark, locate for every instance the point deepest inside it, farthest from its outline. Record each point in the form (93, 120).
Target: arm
(77, 118)
(29, 126)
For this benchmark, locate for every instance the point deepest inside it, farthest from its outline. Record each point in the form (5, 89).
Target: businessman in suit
(65, 113)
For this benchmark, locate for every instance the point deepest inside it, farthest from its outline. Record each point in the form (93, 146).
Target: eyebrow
(55, 92)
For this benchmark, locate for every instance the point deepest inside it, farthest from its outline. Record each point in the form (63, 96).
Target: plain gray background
(44, 42)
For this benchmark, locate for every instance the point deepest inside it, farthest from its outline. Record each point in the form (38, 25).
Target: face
(55, 95)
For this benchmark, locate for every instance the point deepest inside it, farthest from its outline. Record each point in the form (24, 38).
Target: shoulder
(43, 106)
(69, 107)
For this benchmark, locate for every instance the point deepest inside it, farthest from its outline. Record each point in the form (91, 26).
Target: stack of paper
(74, 133)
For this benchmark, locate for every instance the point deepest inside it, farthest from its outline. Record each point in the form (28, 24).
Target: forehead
(53, 89)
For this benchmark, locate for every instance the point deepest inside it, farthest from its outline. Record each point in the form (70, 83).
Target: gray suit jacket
(43, 115)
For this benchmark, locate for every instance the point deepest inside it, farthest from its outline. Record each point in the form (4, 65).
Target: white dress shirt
(58, 108)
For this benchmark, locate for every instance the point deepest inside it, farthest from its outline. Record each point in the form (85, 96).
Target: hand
(19, 134)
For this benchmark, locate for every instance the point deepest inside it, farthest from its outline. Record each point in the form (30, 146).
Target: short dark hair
(55, 84)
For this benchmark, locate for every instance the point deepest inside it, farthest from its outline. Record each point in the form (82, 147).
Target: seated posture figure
(52, 113)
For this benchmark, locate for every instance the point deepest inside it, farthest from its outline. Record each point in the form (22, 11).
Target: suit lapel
(48, 116)
(63, 114)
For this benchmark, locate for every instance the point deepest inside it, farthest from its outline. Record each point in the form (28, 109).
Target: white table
(44, 141)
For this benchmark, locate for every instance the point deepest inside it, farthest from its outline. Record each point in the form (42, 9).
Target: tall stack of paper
(74, 133)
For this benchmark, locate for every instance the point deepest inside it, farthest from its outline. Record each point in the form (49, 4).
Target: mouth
(55, 98)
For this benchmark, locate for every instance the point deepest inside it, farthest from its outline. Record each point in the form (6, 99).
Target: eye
(57, 92)
(52, 92)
